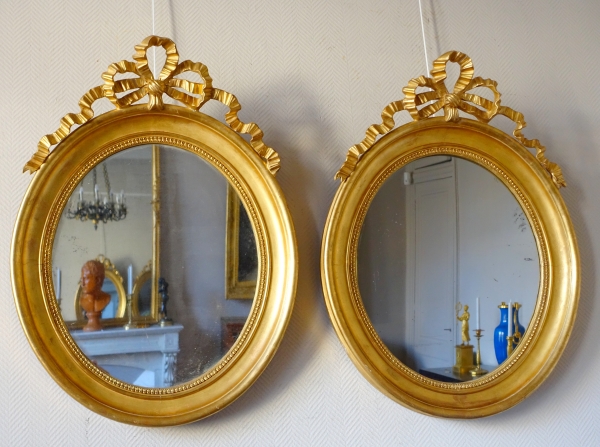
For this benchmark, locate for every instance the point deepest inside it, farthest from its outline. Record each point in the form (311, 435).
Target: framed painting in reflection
(241, 256)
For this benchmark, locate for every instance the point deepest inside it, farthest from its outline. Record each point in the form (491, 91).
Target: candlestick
(478, 370)
(510, 341)
(130, 324)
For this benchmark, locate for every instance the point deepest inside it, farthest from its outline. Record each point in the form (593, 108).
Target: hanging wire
(423, 33)
(154, 48)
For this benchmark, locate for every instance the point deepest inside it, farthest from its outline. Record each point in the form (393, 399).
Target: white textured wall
(314, 75)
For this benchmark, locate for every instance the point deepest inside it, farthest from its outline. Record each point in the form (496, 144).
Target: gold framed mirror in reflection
(141, 299)
(143, 369)
(88, 225)
(241, 262)
(449, 264)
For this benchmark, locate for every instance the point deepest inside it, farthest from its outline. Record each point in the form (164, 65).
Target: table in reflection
(447, 375)
(145, 356)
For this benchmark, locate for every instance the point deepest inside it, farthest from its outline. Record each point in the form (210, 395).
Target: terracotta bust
(93, 299)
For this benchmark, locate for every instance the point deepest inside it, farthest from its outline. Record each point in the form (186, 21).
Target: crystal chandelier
(103, 207)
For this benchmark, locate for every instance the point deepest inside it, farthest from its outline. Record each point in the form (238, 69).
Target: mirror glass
(443, 240)
(161, 232)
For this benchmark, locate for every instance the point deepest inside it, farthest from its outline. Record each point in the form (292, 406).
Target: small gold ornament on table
(478, 370)
(464, 351)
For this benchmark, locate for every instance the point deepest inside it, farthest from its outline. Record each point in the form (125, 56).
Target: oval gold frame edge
(509, 384)
(181, 403)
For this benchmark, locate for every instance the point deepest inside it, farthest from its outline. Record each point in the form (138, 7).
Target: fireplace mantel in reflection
(144, 357)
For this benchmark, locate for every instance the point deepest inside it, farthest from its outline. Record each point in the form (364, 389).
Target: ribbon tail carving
(357, 151)
(553, 169)
(86, 114)
(270, 157)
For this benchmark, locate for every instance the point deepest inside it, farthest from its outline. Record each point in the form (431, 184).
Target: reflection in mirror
(125, 242)
(112, 285)
(444, 248)
(242, 262)
(141, 301)
(192, 204)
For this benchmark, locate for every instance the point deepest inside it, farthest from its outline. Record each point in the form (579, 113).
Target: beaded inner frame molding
(249, 168)
(533, 180)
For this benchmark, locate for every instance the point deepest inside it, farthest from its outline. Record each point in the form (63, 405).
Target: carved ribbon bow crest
(459, 99)
(192, 95)
(145, 84)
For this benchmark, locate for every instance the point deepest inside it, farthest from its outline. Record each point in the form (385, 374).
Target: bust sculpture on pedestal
(93, 299)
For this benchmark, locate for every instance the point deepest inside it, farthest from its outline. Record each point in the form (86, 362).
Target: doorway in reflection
(439, 232)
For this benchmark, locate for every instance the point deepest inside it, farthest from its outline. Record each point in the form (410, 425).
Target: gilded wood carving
(460, 99)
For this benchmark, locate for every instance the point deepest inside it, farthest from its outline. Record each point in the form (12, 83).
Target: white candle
(57, 283)
(96, 192)
(81, 194)
(122, 196)
(510, 317)
(130, 279)
(477, 313)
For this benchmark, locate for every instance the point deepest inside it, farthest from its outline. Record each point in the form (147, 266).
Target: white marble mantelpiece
(144, 356)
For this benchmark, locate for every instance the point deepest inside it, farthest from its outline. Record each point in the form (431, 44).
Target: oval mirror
(178, 200)
(449, 264)
(425, 275)
(127, 238)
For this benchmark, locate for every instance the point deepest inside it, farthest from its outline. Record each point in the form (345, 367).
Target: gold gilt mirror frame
(248, 166)
(533, 181)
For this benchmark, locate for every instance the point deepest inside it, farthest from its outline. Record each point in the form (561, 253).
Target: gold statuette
(464, 351)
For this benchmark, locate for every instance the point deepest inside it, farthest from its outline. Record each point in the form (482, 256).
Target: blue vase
(500, 334)
(501, 331)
